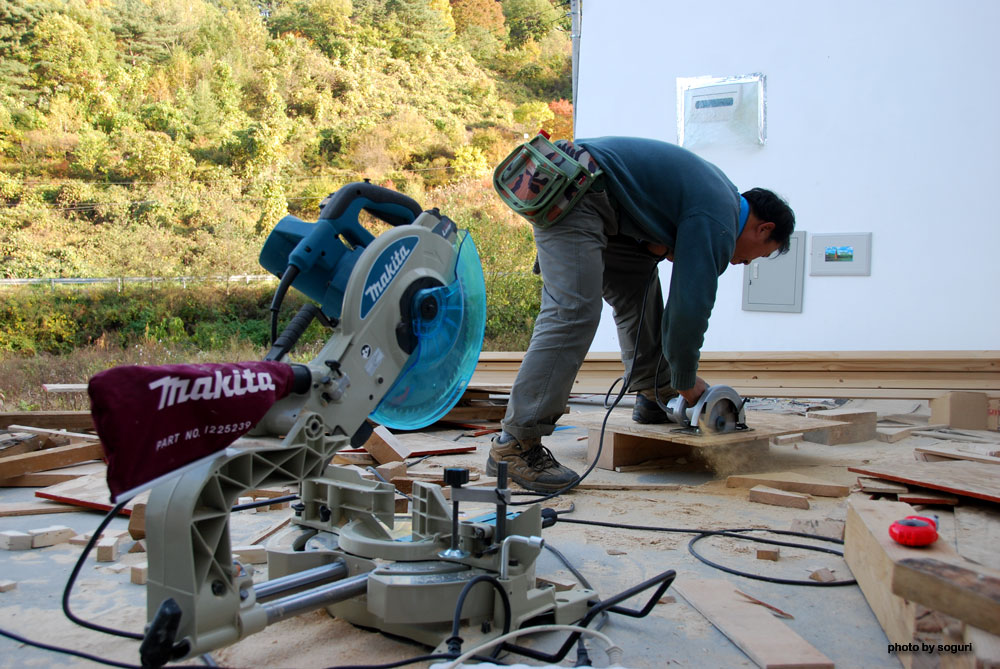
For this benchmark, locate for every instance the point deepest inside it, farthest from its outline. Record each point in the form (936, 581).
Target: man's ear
(765, 229)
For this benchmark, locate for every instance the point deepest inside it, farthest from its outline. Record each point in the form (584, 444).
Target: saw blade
(721, 417)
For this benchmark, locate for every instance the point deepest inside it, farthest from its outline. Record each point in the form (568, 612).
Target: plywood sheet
(971, 479)
(763, 425)
(766, 640)
(89, 491)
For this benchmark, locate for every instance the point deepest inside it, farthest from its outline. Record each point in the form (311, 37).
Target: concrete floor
(837, 621)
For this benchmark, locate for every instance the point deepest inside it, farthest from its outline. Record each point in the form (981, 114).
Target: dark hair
(770, 208)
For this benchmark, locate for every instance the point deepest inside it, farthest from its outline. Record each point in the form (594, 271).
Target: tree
(530, 19)
(416, 28)
(486, 14)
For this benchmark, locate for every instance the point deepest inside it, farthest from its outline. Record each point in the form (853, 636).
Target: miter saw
(407, 311)
(718, 410)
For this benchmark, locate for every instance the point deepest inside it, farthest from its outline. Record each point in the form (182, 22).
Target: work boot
(529, 464)
(646, 410)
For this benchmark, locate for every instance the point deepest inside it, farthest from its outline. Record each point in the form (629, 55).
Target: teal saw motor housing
(441, 324)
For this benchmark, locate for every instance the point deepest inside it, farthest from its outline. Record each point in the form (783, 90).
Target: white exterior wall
(883, 116)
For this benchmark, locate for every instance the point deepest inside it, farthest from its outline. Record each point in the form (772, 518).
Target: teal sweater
(669, 195)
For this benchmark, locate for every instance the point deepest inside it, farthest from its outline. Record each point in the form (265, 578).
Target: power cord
(736, 533)
(614, 651)
(626, 381)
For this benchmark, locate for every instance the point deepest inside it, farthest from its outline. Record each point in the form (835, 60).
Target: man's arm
(703, 250)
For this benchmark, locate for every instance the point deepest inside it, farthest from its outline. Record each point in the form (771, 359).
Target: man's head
(768, 228)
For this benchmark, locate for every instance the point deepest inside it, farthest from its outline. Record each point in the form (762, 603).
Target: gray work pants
(582, 259)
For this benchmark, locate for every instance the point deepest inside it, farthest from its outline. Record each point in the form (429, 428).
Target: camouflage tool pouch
(541, 180)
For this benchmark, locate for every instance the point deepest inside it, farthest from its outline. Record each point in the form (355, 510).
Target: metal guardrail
(152, 280)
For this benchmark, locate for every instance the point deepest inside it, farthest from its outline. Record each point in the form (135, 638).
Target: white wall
(883, 116)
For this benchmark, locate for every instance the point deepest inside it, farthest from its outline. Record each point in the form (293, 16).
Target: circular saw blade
(449, 339)
(721, 417)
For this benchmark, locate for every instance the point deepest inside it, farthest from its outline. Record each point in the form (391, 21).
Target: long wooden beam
(848, 374)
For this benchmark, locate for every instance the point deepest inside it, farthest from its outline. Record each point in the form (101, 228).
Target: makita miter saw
(407, 312)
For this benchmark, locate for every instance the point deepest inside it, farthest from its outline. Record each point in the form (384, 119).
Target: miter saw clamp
(719, 410)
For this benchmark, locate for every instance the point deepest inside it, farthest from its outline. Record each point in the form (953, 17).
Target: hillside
(166, 137)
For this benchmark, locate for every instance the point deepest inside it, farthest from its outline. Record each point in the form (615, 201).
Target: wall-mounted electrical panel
(775, 284)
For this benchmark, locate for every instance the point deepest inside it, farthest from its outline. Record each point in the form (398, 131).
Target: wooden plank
(89, 491)
(791, 481)
(871, 554)
(53, 458)
(927, 497)
(892, 434)
(65, 387)
(17, 443)
(954, 586)
(977, 534)
(856, 426)
(53, 476)
(69, 420)
(49, 432)
(958, 477)
(765, 495)
(765, 639)
(953, 452)
(880, 487)
(35, 509)
(417, 444)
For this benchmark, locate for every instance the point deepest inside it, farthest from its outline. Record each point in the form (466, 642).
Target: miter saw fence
(718, 411)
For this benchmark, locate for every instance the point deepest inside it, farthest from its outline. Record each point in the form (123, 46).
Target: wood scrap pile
(946, 595)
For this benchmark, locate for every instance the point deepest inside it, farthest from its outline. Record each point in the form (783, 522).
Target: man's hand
(694, 393)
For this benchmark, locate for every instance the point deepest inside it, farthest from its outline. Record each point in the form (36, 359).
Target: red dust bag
(155, 420)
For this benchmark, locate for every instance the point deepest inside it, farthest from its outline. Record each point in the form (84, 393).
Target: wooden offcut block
(138, 547)
(965, 410)
(139, 573)
(385, 447)
(250, 554)
(391, 470)
(12, 540)
(108, 549)
(50, 536)
(854, 426)
(772, 554)
(765, 495)
(7, 586)
(823, 575)
(137, 521)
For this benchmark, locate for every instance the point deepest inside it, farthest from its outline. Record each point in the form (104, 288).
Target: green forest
(165, 138)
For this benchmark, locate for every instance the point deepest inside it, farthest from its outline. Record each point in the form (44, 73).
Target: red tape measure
(914, 531)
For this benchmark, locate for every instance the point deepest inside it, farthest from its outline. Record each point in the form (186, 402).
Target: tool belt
(541, 180)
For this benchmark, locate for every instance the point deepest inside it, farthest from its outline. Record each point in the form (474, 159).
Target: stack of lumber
(814, 374)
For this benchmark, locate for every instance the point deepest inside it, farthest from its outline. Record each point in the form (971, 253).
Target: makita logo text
(175, 390)
(399, 256)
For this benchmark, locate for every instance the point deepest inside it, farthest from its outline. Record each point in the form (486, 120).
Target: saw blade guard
(449, 339)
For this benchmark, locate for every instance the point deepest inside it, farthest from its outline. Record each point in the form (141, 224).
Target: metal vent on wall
(721, 110)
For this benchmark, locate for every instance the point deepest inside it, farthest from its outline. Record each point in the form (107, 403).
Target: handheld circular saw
(719, 410)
